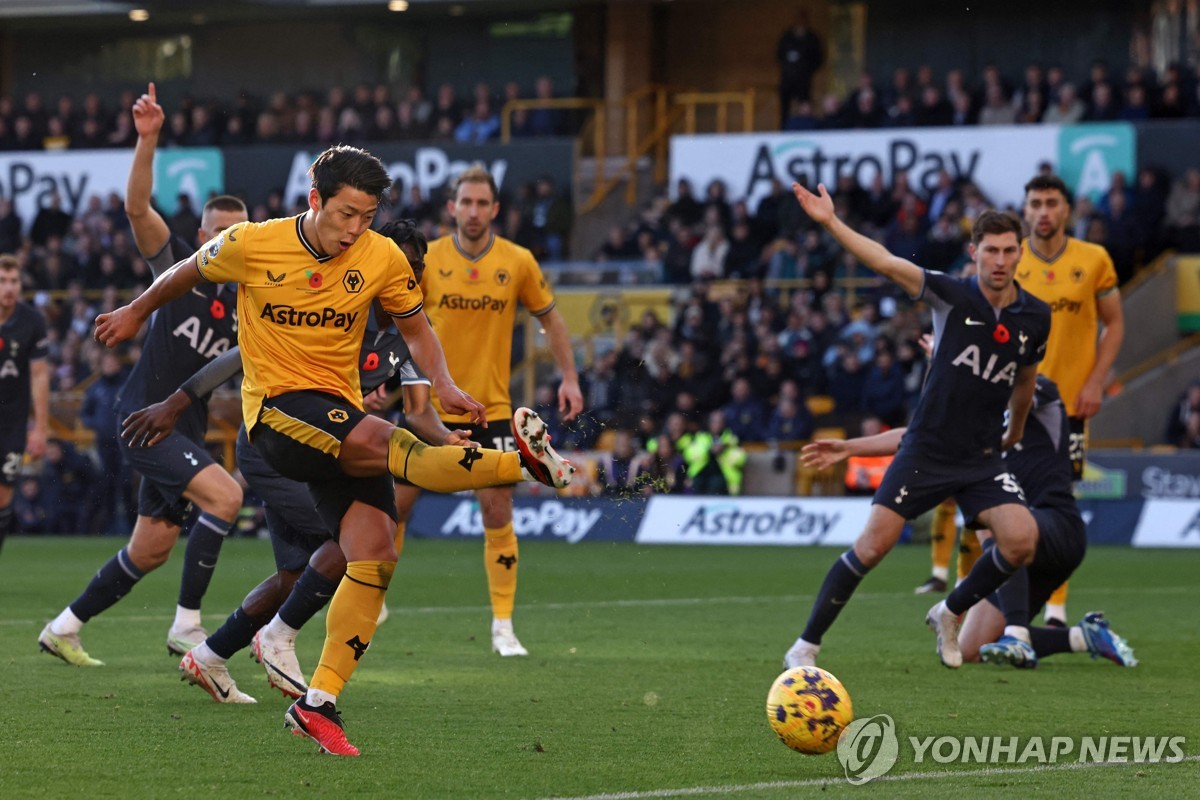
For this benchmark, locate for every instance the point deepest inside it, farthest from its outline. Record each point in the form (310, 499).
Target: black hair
(1049, 183)
(342, 165)
(405, 231)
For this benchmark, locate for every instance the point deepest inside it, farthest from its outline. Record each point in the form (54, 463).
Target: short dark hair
(1049, 183)
(405, 231)
(9, 262)
(225, 202)
(342, 165)
(995, 222)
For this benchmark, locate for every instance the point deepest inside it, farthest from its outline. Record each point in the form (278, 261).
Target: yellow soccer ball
(808, 708)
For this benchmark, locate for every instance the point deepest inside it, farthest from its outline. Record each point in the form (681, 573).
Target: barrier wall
(29, 178)
(779, 521)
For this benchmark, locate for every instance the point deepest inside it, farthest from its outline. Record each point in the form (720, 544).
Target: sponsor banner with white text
(431, 167)
(1169, 523)
(997, 159)
(753, 520)
(29, 178)
(551, 518)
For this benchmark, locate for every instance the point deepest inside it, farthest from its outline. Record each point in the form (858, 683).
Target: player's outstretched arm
(907, 275)
(1019, 405)
(824, 453)
(570, 398)
(123, 324)
(423, 420)
(39, 390)
(150, 231)
(427, 353)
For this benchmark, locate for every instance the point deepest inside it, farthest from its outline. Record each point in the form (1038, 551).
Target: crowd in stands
(921, 98)
(737, 362)
(365, 113)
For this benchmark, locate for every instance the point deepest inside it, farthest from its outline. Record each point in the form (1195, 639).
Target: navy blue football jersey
(22, 340)
(977, 352)
(184, 335)
(385, 354)
(1041, 461)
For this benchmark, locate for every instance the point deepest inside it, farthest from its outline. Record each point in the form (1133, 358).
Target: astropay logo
(868, 748)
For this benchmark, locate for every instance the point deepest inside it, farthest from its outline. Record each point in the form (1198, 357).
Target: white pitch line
(661, 602)
(697, 791)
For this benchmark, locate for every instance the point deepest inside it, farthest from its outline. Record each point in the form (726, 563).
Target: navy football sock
(234, 634)
(311, 593)
(1012, 598)
(112, 582)
(200, 558)
(840, 582)
(8, 522)
(989, 572)
(1048, 641)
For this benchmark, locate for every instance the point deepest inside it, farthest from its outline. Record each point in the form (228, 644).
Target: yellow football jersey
(302, 315)
(472, 304)
(1070, 282)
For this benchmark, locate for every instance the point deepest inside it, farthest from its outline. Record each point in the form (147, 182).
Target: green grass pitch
(648, 674)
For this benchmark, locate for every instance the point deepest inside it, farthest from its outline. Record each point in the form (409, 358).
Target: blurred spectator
(30, 507)
(996, 108)
(799, 54)
(481, 126)
(185, 221)
(791, 421)
(68, 484)
(618, 472)
(550, 220)
(544, 121)
(744, 413)
(708, 257)
(51, 220)
(1183, 427)
(96, 413)
(715, 462)
(10, 227)
(883, 390)
(1182, 221)
(1067, 110)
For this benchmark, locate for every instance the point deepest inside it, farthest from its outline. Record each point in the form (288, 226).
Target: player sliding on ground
(997, 630)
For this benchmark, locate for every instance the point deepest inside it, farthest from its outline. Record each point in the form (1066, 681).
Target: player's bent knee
(495, 506)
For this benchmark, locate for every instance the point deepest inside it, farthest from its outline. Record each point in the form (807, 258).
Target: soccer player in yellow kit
(473, 281)
(1079, 282)
(305, 287)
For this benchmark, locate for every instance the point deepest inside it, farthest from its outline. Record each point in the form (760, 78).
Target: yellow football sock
(350, 622)
(941, 537)
(400, 528)
(969, 551)
(450, 469)
(1058, 600)
(500, 559)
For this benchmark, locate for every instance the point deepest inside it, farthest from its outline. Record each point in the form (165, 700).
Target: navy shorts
(12, 453)
(167, 468)
(296, 528)
(914, 484)
(498, 435)
(1062, 544)
(1077, 444)
(300, 435)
